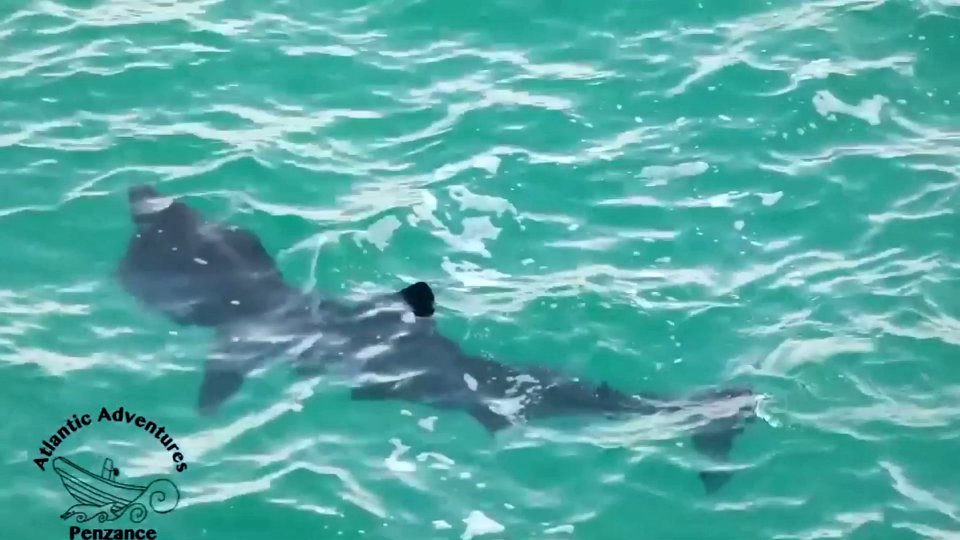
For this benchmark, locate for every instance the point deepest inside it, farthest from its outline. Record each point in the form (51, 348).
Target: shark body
(209, 274)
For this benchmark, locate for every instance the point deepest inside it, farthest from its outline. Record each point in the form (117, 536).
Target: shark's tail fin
(714, 440)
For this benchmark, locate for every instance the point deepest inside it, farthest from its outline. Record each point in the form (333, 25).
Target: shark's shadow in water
(208, 274)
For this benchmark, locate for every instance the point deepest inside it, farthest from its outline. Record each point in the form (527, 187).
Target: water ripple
(662, 196)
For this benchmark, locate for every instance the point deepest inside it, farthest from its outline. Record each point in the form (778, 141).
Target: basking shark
(209, 274)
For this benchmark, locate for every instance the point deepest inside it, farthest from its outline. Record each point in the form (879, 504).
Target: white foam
(524, 378)
(441, 525)
(424, 211)
(476, 230)
(471, 382)
(867, 110)
(796, 352)
(478, 524)
(770, 199)
(471, 275)
(379, 233)
(480, 203)
(661, 174)
(441, 461)
(393, 461)
(560, 529)
(487, 162)
(152, 205)
(508, 407)
(820, 68)
(761, 411)
(428, 423)
(370, 351)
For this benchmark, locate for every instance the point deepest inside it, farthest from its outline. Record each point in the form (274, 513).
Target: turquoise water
(663, 195)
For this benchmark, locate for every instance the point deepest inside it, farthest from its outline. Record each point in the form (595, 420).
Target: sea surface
(662, 195)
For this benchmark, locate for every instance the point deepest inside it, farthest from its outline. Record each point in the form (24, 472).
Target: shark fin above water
(420, 298)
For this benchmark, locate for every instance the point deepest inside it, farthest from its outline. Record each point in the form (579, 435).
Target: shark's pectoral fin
(713, 480)
(715, 439)
(420, 298)
(227, 367)
(715, 442)
(221, 380)
(492, 421)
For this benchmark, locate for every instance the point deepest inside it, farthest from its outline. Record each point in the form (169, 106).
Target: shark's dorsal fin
(420, 298)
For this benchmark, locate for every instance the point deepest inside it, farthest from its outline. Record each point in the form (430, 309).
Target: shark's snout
(141, 192)
(146, 201)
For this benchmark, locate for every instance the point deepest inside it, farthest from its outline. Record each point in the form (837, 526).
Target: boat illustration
(89, 488)
(102, 497)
